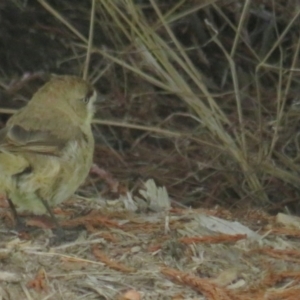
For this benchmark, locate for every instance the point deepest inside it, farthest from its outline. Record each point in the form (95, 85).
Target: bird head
(71, 94)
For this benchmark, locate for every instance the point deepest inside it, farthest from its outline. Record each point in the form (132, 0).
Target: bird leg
(49, 210)
(19, 224)
(61, 235)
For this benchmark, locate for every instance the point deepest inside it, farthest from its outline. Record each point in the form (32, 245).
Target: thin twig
(63, 20)
(90, 43)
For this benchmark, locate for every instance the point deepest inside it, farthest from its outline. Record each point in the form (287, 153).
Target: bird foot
(62, 236)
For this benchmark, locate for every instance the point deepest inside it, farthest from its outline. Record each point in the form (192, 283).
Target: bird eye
(86, 100)
(88, 96)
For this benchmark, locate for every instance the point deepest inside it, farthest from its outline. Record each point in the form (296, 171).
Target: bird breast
(51, 178)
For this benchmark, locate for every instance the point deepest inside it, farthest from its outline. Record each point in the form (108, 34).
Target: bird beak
(100, 98)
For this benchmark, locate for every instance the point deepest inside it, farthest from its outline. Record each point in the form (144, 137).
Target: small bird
(46, 148)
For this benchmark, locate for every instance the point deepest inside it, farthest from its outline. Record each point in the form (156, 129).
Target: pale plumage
(46, 148)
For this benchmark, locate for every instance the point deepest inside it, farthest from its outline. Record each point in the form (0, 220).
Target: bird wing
(16, 138)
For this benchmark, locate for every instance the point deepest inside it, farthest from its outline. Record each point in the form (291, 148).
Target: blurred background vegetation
(201, 96)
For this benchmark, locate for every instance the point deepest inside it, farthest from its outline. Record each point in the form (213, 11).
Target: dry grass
(184, 254)
(202, 96)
